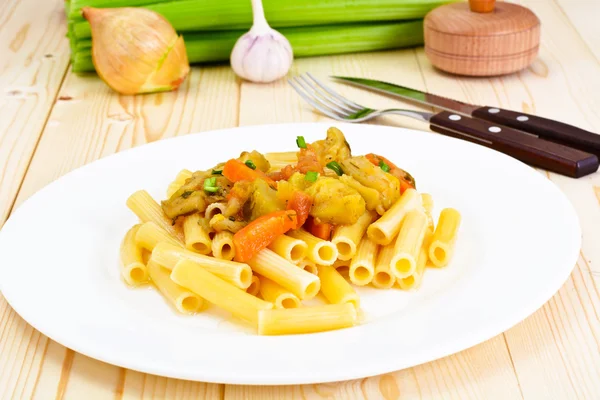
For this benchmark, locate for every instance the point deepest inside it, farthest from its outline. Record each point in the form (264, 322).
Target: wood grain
(461, 41)
(583, 15)
(32, 66)
(554, 354)
(89, 123)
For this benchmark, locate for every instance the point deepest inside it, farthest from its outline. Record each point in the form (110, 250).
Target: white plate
(59, 265)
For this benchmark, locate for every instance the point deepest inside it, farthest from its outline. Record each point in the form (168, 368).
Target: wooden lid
(461, 41)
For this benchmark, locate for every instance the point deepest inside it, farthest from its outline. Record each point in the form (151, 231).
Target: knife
(545, 128)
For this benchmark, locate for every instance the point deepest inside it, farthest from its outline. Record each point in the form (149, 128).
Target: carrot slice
(308, 161)
(236, 171)
(301, 203)
(320, 230)
(261, 232)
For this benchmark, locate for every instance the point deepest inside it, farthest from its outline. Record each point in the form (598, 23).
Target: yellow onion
(135, 50)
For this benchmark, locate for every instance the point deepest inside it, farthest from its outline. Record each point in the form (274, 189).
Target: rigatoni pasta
(279, 296)
(362, 266)
(147, 209)
(222, 246)
(237, 274)
(182, 299)
(319, 251)
(150, 234)
(347, 237)
(384, 278)
(384, 230)
(306, 319)
(271, 265)
(441, 248)
(262, 235)
(195, 234)
(292, 249)
(133, 269)
(408, 244)
(194, 277)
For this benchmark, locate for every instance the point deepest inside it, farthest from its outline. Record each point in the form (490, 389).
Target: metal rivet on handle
(494, 129)
(493, 111)
(454, 117)
(522, 118)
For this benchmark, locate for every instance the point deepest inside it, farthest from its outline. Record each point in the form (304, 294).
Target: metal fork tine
(356, 107)
(318, 98)
(333, 102)
(313, 103)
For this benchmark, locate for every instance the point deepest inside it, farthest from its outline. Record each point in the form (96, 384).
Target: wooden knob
(482, 6)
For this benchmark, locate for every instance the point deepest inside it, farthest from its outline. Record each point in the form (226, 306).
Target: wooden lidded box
(479, 39)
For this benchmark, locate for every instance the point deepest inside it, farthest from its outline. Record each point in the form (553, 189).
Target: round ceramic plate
(59, 265)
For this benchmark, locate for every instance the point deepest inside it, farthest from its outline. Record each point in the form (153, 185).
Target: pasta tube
(179, 181)
(293, 250)
(280, 297)
(384, 278)
(335, 288)
(196, 237)
(441, 248)
(271, 265)
(408, 244)
(254, 287)
(238, 274)
(427, 201)
(133, 270)
(150, 234)
(147, 209)
(214, 209)
(321, 252)
(362, 267)
(222, 246)
(308, 266)
(343, 268)
(347, 237)
(414, 281)
(384, 230)
(184, 301)
(306, 319)
(193, 276)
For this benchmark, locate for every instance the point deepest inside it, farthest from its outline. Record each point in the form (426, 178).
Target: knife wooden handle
(555, 131)
(531, 150)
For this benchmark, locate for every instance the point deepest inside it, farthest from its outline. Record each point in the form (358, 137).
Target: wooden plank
(483, 371)
(89, 122)
(555, 351)
(34, 60)
(584, 18)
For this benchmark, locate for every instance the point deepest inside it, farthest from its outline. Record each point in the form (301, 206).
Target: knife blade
(545, 128)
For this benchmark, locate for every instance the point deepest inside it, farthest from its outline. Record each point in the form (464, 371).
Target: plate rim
(458, 345)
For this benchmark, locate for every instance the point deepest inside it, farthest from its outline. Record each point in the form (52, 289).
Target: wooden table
(52, 121)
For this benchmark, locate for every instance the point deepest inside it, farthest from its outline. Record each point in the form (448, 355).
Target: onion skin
(135, 50)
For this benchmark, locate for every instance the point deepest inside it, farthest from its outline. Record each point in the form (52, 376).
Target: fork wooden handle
(529, 149)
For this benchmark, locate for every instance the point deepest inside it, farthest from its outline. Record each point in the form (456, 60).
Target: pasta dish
(260, 234)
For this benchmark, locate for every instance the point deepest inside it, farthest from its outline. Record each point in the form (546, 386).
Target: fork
(527, 148)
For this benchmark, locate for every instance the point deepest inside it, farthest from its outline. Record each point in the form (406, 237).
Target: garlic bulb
(135, 50)
(262, 54)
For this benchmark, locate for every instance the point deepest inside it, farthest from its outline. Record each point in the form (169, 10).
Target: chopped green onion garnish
(334, 166)
(384, 166)
(301, 142)
(311, 176)
(250, 164)
(210, 185)
(217, 172)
